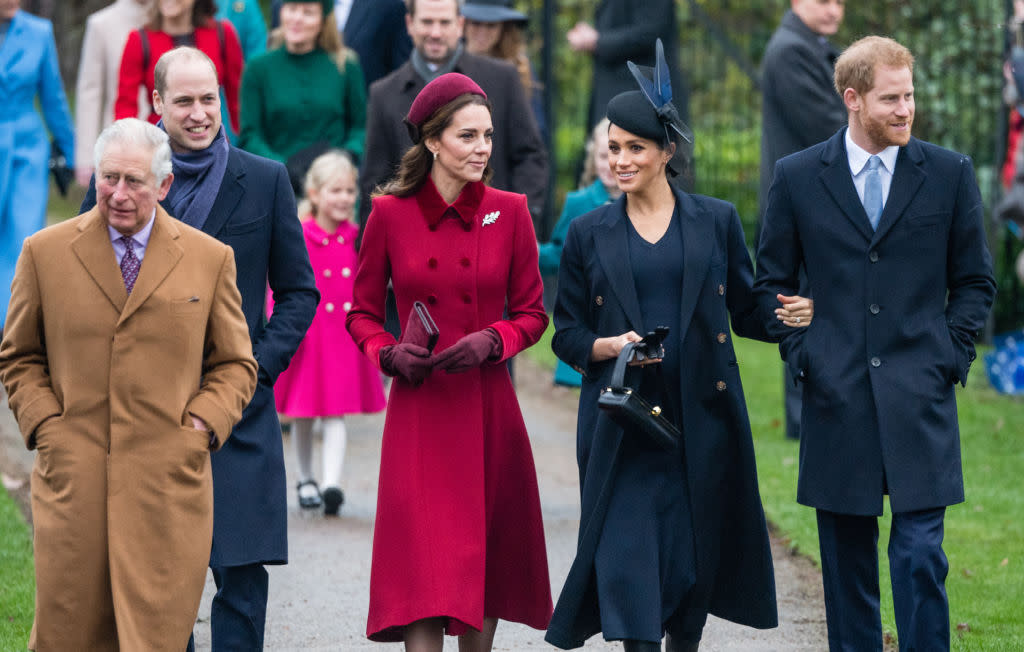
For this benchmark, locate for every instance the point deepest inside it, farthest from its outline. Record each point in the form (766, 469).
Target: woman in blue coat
(28, 69)
(665, 538)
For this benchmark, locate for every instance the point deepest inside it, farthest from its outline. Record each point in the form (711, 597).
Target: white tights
(333, 452)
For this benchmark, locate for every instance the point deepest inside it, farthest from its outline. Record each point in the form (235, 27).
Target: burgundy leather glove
(470, 352)
(409, 362)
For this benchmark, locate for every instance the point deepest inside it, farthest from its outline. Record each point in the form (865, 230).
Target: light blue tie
(873, 192)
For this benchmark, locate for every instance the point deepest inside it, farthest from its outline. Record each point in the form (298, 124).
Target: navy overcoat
(255, 214)
(896, 311)
(597, 298)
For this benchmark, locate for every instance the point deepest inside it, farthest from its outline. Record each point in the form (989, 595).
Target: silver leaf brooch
(491, 218)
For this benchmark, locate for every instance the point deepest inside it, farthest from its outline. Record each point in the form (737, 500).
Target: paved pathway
(319, 600)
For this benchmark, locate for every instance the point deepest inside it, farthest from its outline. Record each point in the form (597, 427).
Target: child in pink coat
(328, 377)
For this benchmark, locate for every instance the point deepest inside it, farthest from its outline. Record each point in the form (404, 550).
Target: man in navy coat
(244, 201)
(890, 231)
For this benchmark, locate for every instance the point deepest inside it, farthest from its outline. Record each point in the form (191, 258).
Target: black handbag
(62, 172)
(633, 412)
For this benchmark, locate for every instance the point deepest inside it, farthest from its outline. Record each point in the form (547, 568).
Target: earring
(435, 155)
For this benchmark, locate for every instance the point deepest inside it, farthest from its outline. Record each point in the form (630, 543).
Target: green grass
(17, 587)
(984, 536)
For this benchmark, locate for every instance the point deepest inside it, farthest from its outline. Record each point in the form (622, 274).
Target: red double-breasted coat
(458, 531)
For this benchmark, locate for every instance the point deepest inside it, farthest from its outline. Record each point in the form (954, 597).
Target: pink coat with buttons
(329, 375)
(458, 531)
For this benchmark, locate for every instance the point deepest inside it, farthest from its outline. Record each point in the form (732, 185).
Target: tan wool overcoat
(102, 384)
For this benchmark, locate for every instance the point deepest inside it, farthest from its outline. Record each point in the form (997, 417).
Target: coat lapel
(906, 181)
(11, 50)
(231, 191)
(698, 243)
(162, 254)
(613, 253)
(96, 253)
(838, 182)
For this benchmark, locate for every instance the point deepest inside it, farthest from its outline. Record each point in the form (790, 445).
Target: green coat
(290, 102)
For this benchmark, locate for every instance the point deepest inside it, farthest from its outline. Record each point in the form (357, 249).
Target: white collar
(858, 156)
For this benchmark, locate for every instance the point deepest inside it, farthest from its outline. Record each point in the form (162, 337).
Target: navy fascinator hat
(649, 112)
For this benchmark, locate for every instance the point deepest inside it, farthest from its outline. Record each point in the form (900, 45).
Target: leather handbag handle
(619, 373)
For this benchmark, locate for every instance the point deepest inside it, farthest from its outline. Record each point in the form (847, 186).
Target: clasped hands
(413, 363)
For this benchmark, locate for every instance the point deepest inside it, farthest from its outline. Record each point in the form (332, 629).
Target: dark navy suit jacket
(895, 315)
(255, 213)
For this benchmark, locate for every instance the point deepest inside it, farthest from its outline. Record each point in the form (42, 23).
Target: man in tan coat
(126, 358)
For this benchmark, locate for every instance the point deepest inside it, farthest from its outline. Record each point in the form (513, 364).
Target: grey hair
(132, 131)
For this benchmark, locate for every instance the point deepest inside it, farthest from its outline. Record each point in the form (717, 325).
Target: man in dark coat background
(890, 231)
(246, 202)
(519, 161)
(799, 108)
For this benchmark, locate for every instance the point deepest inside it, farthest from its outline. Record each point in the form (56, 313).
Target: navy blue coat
(255, 214)
(895, 314)
(597, 298)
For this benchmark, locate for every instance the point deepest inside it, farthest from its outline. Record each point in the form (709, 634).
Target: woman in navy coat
(665, 538)
(28, 69)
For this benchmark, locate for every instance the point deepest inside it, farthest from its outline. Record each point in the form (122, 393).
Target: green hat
(327, 5)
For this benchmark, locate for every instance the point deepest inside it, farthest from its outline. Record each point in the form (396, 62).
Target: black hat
(492, 11)
(649, 112)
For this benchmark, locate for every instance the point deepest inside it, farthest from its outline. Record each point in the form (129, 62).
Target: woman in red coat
(458, 541)
(173, 23)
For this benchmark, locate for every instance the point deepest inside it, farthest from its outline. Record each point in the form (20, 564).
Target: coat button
(466, 298)
(327, 273)
(326, 241)
(346, 272)
(875, 362)
(874, 309)
(432, 299)
(329, 307)
(720, 385)
(432, 263)
(465, 262)
(341, 239)
(721, 338)
(873, 256)
(721, 289)
(599, 300)
(347, 306)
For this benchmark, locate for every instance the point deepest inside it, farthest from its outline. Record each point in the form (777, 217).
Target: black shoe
(309, 502)
(629, 645)
(333, 500)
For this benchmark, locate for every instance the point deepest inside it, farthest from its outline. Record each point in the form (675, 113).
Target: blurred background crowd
(296, 80)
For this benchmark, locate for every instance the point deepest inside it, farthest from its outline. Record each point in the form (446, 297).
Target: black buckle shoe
(309, 502)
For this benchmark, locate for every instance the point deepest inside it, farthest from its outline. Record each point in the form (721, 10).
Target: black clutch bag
(420, 328)
(633, 412)
(62, 172)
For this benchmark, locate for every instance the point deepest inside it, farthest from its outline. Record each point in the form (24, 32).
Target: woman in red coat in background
(173, 23)
(458, 541)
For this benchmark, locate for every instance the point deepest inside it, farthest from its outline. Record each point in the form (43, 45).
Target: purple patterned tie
(129, 263)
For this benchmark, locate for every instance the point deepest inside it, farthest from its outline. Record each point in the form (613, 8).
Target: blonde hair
(589, 173)
(326, 167)
(856, 66)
